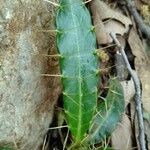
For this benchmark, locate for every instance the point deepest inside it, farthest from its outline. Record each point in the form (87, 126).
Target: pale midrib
(80, 89)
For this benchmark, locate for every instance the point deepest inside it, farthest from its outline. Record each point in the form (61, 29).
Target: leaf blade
(110, 113)
(76, 43)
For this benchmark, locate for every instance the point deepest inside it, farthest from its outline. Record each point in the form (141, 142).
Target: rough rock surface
(26, 98)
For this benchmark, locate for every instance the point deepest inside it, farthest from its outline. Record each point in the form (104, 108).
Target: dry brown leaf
(129, 91)
(138, 51)
(101, 34)
(138, 4)
(145, 79)
(134, 123)
(115, 27)
(106, 12)
(146, 1)
(122, 137)
(116, 22)
(147, 131)
(122, 40)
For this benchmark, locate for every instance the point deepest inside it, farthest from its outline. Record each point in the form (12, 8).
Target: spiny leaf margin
(109, 113)
(76, 43)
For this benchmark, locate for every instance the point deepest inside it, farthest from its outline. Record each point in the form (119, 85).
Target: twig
(53, 3)
(137, 93)
(87, 1)
(141, 25)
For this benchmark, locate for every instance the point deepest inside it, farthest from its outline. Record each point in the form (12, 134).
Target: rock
(27, 99)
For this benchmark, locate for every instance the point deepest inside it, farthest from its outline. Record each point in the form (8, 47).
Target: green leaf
(5, 148)
(109, 113)
(76, 43)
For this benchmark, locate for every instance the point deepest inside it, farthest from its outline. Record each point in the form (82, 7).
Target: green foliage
(5, 148)
(109, 113)
(76, 43)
